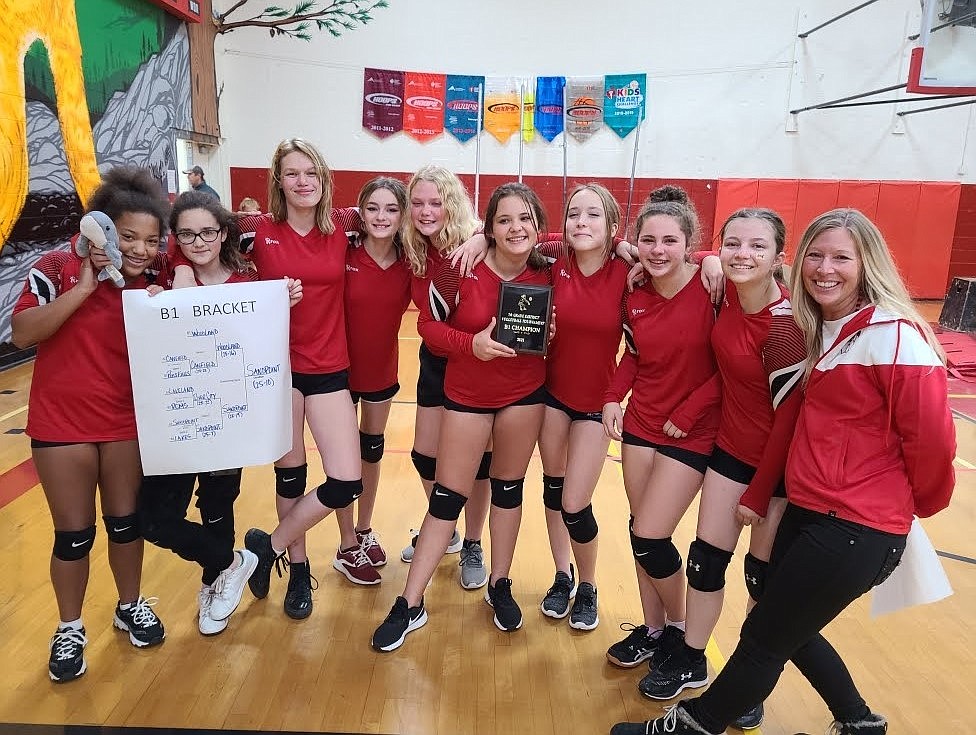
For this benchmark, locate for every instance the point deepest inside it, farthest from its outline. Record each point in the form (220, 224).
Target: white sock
(679, 624)
(653, 632)
(73, 624)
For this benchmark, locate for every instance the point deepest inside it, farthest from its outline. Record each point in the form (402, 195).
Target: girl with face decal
(875, 395)
(672, 418)
(490, 393)
(80, 438)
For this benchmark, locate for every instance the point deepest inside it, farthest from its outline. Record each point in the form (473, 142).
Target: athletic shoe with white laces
(370, 544)
(508, 615)
(228, 588)
(141, 623)
(675, 721)
(406, 555)
(556, 602)
(354, 565)
(67, 660)
(205, 622)
(638, 646)
(473, 571)
(402, 619)
(678, 673)
(584, 615)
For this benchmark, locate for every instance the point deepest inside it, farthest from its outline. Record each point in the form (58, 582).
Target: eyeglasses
(207, 234)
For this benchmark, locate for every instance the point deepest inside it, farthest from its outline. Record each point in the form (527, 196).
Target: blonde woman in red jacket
(873, 447)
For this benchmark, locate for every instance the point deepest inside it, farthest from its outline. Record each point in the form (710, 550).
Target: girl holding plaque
(490, 393)
(83, 431)
(672, 418)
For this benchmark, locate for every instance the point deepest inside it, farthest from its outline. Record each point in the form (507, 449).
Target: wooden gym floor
(459, 674)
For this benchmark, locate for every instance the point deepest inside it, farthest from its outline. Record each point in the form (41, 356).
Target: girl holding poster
(80, 439)
(490, 393)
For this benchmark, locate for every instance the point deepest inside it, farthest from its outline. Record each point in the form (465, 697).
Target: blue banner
(549, 106)
(461, 106)
(623, 101)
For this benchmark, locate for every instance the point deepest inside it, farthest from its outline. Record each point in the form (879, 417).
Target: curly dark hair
(130, 189)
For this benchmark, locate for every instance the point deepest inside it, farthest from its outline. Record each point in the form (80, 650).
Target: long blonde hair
(611, 213)
(276, 197)
(460, 222)
(879, 282)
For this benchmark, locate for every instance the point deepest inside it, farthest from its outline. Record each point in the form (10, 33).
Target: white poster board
(210, 375)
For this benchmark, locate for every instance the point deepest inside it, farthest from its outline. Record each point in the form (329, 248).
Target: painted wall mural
(85, 85)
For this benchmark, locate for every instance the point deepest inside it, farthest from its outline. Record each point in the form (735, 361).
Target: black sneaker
(144, 628)
(675, 721)
(751, 719)
(584, 615)
(636, 647)
(259, 543)
(298, 598)
(671, 640)
(67, 660)
(871, 725)
(508, 615)
(402, 619)
(556, 602)
(674, 676)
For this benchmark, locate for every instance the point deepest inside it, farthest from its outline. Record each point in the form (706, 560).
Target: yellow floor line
(13, 413)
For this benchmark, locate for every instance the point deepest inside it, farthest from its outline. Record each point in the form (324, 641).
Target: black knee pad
(506, 494)
(552, 492)
(582, 526)
(73, 545)
(371, 447)
(659, 557)
(426, 466)
(123, 529)
(755, 573)
(706, 566)
(445, 504)
(484, 469)
(290, 481)
(337, 494)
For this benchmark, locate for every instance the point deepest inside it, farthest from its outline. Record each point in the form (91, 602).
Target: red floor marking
(16, 481)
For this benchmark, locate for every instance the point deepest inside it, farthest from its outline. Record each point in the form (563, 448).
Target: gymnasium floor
(459, 674)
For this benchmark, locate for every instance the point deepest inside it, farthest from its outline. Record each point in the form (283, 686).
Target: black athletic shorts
(312, 384)
(533, 399)
(573, 414)
(697, 462)
(735, 469)
(375, 396)
(430, 381)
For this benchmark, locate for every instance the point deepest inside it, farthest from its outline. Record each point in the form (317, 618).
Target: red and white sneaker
(355, 565)
(370, 545)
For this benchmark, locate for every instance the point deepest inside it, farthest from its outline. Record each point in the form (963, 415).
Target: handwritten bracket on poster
(211, 376)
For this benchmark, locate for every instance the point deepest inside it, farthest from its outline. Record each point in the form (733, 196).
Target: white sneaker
(406, 555)
(229, 586)
(209, 626)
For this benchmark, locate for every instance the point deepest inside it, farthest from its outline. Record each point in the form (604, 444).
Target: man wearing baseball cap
(195, 177)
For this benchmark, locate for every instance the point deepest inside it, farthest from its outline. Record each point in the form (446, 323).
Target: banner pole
(477, 149)
(633, 170)
(565, 135)
(521, 131)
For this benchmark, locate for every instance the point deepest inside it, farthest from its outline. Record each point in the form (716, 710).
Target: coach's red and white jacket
(875, 439)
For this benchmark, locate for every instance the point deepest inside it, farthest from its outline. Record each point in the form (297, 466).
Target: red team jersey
(375, 301)
(421, 290)
(761, 358)
(317, 338)
(458, 311)
(669, 367)
(583, 354)
(81, 390)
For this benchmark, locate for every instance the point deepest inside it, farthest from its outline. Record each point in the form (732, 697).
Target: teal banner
(624, 101)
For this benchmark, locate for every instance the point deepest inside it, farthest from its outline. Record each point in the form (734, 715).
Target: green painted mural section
(117, 37)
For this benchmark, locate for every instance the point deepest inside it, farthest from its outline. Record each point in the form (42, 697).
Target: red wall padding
(917, 218)
(962, 262)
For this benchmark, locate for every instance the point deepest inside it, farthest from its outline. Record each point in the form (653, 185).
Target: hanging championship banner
(549, 106)
(423, 105)
(623, 103)
(502, 109)
(382, 102)
(461, 106)
(528, 109)
(584, 106)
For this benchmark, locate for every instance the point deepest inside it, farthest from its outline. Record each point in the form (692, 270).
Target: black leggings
(818, 566)
(163, 502)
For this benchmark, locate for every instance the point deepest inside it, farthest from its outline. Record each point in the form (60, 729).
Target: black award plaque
(524, 312)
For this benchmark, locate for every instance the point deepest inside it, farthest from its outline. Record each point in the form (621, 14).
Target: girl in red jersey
(760, 354)
(377, 294)
(490, 393)
(441, 218)
(304, 237)
(672, 418)
(874, 445)
(209, 239)
(588, 284)
(83, 433)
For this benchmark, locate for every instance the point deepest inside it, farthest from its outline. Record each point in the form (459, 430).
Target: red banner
(423, 100)
(382, 102)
